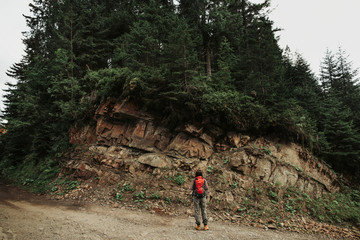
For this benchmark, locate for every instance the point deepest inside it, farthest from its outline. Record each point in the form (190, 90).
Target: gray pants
(200, 204)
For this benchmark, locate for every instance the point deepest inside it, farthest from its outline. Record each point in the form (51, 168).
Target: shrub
(140, 196)
(154, 196)
(273, 195)
(118, 196)
(127, 188)
(110, 82)
(35, 175)
(180, 180)
(341, 208)
(237, 108)
(210, 169)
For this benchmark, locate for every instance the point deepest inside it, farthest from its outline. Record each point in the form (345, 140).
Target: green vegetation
(118, 196)
(266, 150)
(167, 200)
(234, 184)
(127, 188)
(273, 195)
(180, 180)
(342, 208)
(140, 196)
(183, 61)
(339, 208)
(37, 177)
(209, 169)
(154, 196)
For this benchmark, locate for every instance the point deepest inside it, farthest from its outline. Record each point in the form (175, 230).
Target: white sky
(309, 28)
(12, 23)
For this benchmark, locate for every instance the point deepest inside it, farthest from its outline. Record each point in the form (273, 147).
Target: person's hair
(198, 173)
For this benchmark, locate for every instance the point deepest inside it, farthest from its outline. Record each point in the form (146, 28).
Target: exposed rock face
(125, 137)
(282, 170)
(122, 124)
(155, 160)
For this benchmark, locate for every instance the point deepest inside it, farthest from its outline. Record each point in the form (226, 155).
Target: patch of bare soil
(28, 216)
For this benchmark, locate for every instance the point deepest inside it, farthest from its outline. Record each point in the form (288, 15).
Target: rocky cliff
(124, 139)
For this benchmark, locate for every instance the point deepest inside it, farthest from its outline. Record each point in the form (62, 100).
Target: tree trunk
(208, 59)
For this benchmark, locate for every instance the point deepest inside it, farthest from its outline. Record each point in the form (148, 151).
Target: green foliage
(266, 150)
(167, 200)
(118, 196)
(36, 176)
(337, 208)
(154, 196)
(140, 196)
(110, 82)
(273, 195)
(238, 109)
(292, 121)
(127, 188)
(180, 180)
(209, 169)
(340, 208)
(66, 184)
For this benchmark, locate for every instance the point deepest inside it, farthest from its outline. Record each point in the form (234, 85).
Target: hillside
(125, 159)
(124, 100)
(124, 138)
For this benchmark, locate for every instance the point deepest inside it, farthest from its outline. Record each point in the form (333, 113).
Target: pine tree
(347, 86)
(341, 133)
(339, 114)
(302, 84)
(328, 74)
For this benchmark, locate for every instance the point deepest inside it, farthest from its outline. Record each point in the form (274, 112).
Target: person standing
(199, 194)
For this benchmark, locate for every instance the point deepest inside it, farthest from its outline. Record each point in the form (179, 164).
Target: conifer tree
(339, 114)
(328, 72)
(347, 85)
(341, 133)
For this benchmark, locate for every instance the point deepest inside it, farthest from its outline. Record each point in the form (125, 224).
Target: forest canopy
(182, 61)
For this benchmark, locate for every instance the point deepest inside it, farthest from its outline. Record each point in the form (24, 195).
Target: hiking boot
(206, 227)
(197, 227)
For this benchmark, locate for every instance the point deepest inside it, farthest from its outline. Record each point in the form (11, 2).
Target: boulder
(155, 160)
(241, 162)
(263, 169)
(284, 176)
(188, 146)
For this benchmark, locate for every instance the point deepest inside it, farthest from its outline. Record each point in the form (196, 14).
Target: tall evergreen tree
(341, 133)
(347, 85)
(339, 115)
(328, 71)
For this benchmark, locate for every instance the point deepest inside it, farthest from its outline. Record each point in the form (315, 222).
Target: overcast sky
(309, 27)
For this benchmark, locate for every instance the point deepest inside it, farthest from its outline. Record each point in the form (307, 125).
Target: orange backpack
(199, 185)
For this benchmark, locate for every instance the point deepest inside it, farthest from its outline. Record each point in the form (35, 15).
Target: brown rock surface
(123, 134)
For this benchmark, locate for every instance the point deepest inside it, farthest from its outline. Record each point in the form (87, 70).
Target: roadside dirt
(28, 216)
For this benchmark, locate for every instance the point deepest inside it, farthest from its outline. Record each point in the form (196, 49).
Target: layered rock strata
(123, 137)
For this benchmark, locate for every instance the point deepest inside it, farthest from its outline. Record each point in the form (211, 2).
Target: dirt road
(28, 216)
